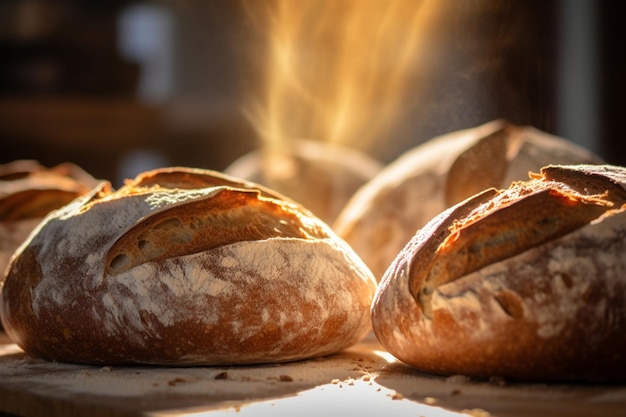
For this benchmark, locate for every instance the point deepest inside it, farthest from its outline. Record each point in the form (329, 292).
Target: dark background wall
(71, 89)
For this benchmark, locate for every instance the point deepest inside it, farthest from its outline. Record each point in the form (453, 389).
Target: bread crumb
(175, 381)
(499, 381)
(477, 412)
(285, 378)
(221, 375)
(396, 396)
(458, 379)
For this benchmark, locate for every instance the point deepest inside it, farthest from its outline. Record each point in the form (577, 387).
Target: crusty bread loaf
(28, 192)
(321, 176)
(384, 214)
(185, 267)
(524, 283)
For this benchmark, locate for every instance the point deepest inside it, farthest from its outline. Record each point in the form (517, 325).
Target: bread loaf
(525, 283)
(185, 267)
(384, 213)
(28, 192)
(321, 176)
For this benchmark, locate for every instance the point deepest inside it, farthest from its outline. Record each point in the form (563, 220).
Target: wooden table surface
(363, 380)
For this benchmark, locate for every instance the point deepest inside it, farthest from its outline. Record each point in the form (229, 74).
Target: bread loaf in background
(384, 213)
(526, 283)
(185, 267)
(321, 176)
(28, 192)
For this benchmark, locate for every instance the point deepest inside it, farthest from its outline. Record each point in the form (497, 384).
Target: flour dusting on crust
(565, 271)
(274, 299)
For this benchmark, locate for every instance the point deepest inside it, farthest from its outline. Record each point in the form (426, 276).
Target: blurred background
(122, 86)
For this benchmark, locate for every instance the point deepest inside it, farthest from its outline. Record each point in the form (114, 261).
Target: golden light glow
(9, 349)
(336, 71)
(386, 356)
(351, 397)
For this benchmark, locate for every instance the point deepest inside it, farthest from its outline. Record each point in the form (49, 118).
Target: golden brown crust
(28, 192)
(18, 169)
(322, 176)
(383, 215)
(526, 283)
(184, 276)
(190, 178)
(235, 215)
(461, 181)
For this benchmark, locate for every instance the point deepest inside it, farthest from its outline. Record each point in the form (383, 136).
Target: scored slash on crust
(495, 225)
(224, 217)
(525, 283)
(226, 274)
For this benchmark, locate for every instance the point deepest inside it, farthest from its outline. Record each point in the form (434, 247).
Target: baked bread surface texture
(321, 176)
(185, 276)
(382, 216)
(527, 283)
(28, 192)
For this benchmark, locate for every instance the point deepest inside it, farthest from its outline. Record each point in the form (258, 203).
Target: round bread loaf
(319, 175)
(383, 214)
(185, 267)
(28, 192)
(525, 283)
